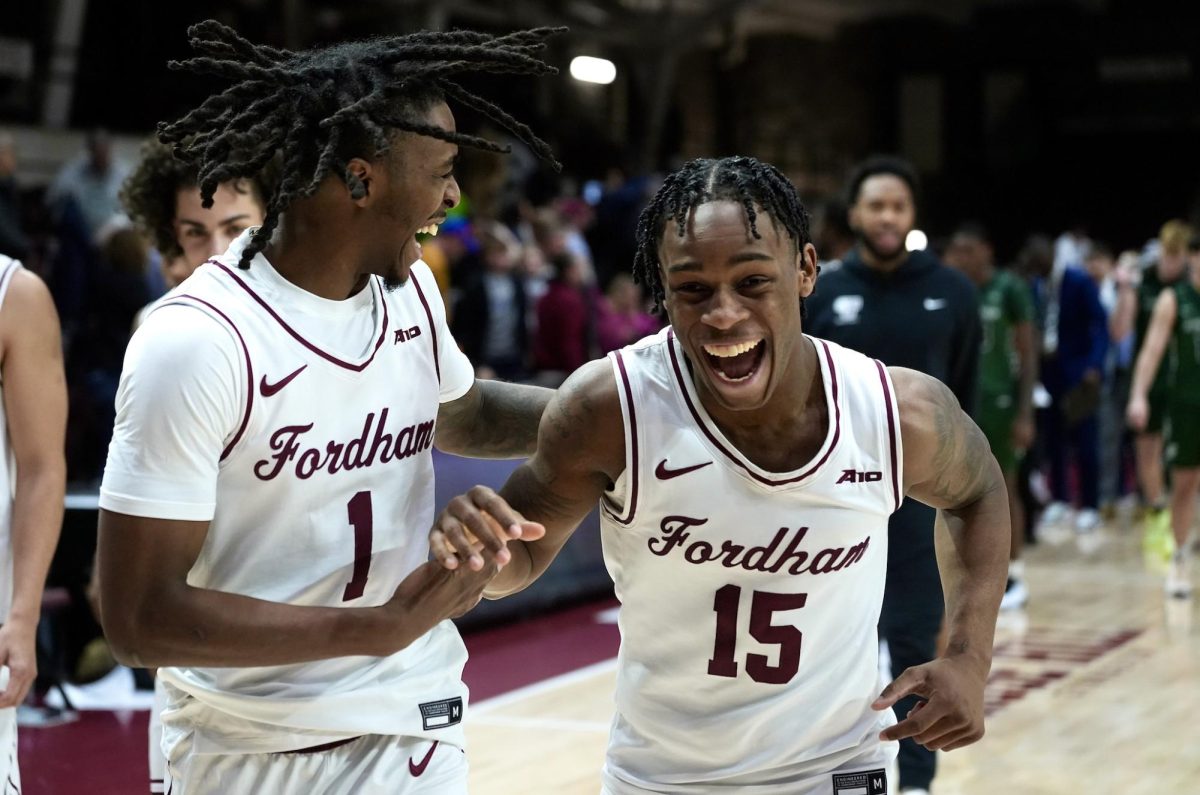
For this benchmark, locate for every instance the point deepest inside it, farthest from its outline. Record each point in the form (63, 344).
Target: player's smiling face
(422, 188)
(734, 302)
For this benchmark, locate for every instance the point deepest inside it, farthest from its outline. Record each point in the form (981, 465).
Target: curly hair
(150, 191)
(320, 108)
(757, 186)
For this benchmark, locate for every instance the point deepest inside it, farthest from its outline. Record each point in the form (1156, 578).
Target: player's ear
(359, 178)
(806, 270)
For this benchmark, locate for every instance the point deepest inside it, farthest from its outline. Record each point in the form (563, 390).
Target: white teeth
(726, 351)
(430, 229)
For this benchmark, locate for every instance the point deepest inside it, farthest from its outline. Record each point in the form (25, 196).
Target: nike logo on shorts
(663, 473)
(266, 390)
(418, 768)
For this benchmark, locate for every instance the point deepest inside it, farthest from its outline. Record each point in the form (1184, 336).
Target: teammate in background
(33, 475)
(162, 197)
(745, 474)
(1135, 306)
(1176, 322)
(270, 481)
(1007, 373)
(906, 309)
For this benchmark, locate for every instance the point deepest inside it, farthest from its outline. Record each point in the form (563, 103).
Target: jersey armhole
(890, 432)
(199, 304)
(620, 502)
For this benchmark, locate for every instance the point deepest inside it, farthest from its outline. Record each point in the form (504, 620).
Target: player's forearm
(497, 420)
(1144, 372)
(36, 521)
(188, 626)
(972, 549)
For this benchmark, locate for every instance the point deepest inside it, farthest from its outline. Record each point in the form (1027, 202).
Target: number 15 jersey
(749, 599)
(301, 429)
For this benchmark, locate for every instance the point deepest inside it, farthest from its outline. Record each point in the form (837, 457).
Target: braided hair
(317, 109)
(757, 186)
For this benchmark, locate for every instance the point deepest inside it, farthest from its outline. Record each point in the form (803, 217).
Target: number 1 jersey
(313, 466)
(749, 599)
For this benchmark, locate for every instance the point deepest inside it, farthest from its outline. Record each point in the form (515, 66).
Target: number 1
(358, 511)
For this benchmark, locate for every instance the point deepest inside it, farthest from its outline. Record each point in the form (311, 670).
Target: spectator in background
(13, 242)
(93, 181)
(565, 322)
(905, 309)
(489, 318)
(32, 482)
(162, 197)
(1176, 321)
(1100, 265)
(1007, 373)
(1135, 306)
(1074, 337)
(624, 319)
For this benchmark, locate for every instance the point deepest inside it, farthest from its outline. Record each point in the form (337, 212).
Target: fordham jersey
(324, 496)
(8, 267)
(749, 598)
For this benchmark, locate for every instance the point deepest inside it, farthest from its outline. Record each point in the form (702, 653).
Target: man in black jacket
(489, 319)
(908, 310)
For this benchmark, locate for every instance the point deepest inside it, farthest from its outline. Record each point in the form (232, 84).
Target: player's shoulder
(584, 423)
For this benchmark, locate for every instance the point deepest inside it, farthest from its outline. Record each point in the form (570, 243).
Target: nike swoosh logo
(663, 473)
(270, 389)
(419, 768)
(932, 304)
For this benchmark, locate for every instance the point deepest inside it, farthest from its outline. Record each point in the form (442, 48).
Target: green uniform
(1004, 302)
(1147, 295)
(1183, 379)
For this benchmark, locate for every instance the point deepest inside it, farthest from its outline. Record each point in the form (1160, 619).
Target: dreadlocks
(318, 109)
(754, 184)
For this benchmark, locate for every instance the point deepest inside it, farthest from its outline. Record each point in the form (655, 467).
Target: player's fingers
(465, 545)
(488, 535)
(441, 549)
(498, 508)
(915, 723)
(931, 737)
(907, 683)
(962, 739)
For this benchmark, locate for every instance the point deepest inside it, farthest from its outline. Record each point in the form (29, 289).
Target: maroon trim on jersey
(893, 411)
(634, 473)
(358, 368)
(237, 437)
(437, 365)
(734, 456)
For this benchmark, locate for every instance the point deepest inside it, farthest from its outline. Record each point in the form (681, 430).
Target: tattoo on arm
(960, 471)
(494, 419)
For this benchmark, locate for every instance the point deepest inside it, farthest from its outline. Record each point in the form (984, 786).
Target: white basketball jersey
(324, 498)
(8, 267)
(749, 598)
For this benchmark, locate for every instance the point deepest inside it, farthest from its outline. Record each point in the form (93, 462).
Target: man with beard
(270, 481)
(908, 310)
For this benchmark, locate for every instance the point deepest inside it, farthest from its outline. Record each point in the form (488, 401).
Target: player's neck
(312, 254)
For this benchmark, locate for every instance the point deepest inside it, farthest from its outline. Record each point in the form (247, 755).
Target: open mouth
(736, 362)
(428, 229)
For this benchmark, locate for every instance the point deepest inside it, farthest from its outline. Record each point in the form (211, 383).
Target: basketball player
(1176, 321)
(162, 197)
(270, 479)
(1007, 372)
(33, 476)
(1135, 306)
(745, 474)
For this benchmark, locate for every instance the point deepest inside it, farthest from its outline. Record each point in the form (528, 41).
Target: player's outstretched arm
(580, 452)
(152, 617)
(949, 465)
(494, 419)
(35, 404)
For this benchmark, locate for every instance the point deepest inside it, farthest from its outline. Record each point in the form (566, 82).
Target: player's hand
(426, 597)
(477, 523)
(17, 652)
(1137, 413)
(1023, 432)
(951, 715)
